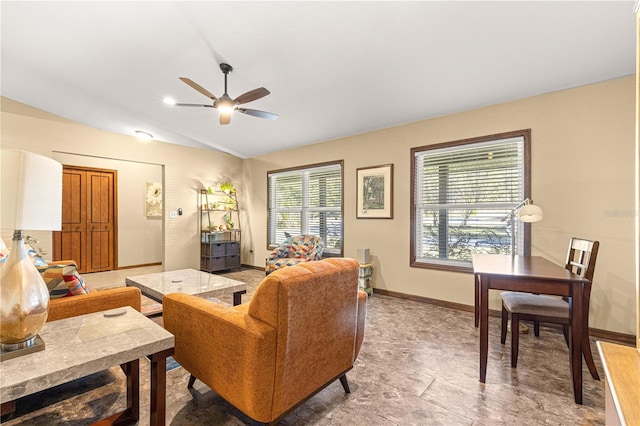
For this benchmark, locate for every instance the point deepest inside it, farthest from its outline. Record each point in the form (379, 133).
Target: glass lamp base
(24, 297)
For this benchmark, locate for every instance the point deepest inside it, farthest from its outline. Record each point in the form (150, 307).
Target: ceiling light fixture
(143, 136)
(225, 105)
(169, 101)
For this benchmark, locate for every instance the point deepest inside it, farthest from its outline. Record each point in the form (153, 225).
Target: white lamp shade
(530, 213)
(31, 192)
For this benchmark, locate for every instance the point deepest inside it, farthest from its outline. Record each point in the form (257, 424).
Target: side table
(83, 345)
(365, 278)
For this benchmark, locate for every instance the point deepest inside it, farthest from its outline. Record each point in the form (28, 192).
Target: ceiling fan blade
(225, 118)
(252, 95)
(257, 113)
(199, 88)
(194, 105)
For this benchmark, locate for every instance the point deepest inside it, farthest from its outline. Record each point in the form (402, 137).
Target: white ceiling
(334, 69)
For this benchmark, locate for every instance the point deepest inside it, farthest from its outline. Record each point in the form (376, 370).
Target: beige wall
(582, 176)
(186, 170)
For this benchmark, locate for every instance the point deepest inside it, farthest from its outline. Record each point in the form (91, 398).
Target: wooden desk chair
(581, 260)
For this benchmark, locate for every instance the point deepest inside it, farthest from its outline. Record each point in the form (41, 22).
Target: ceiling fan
(225, 104)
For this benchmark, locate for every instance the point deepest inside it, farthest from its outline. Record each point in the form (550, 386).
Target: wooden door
(89, 225)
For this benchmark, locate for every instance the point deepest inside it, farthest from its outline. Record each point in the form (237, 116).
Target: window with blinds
(307, 200)
(461, 194)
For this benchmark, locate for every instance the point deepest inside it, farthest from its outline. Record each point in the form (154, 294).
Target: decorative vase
(24, 298)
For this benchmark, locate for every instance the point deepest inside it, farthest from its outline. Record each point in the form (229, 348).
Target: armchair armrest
(224, 347)
(95, 301)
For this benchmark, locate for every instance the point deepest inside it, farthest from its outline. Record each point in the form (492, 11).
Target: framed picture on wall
(153, 199)
(374, 192)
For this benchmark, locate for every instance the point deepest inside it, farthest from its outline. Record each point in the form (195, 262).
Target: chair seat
(535, 304)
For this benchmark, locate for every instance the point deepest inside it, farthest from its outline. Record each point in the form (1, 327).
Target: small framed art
(153, 199)
(374, 192)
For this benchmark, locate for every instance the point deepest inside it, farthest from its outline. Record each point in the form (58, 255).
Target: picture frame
(153, 199)
(374, 192)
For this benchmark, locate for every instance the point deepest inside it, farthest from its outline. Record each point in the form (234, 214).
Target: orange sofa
(65, 307)
(301, 331)
(94, 301)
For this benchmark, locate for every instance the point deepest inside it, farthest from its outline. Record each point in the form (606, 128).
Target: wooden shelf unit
(219, 248)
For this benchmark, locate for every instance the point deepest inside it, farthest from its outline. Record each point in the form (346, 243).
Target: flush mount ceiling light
(143, 136)
(225, 104)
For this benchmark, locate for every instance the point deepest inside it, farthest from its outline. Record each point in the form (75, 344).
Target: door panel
(73, 201)
(70, 246)
(99, 252)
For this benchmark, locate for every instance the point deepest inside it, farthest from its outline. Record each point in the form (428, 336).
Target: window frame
(271, 246)
(526, 228)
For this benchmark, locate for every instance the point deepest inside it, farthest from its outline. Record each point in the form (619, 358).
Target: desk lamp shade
(31, 199)
(530, 213)
(527, 212)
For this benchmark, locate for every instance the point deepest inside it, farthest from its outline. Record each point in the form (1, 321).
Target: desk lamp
(527, 212)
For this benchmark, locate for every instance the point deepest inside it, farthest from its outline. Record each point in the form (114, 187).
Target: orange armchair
(301, 331)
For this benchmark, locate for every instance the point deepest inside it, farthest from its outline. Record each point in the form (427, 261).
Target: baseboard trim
(144, 265)
(613, 336)
(257, 268)
(627, 339)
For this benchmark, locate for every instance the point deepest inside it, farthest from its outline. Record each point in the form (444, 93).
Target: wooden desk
(532, 274)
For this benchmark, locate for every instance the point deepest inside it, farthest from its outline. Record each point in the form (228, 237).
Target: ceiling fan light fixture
(225, 107)
(169, 101)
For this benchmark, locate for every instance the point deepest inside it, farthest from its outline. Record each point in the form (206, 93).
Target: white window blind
(462, 193)
(307, 201)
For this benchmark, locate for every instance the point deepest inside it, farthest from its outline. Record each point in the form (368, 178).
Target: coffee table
(188, 281)
(79, 346)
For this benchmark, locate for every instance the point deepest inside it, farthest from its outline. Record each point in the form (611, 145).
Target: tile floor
(418, 366)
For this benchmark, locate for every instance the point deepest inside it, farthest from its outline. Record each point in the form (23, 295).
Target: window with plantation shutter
(307, 200)
(461, 193)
